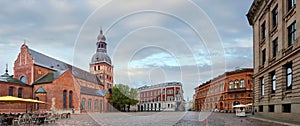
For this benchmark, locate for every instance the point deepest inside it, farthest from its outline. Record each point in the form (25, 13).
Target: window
(170, 91)
(71, 99)
(271, 108)
(263, 31)
(236, 84)
(292, 34)
(20, 90)
(94, 68)
(23, 79)
(230, 85)
(262, 80)
(236, 96)
(96, 105)
(273, 79)
(289, 76)
(37, 106)
(170, 98)
(101, 104)
(83, 103)
(275, 16)
(260, 108)
(222, 87)
(263, 56)
(11, 91)
(286, 108)
(64, 99)
(242, 84)
(291, 4)
(275, 47)
(90, 104)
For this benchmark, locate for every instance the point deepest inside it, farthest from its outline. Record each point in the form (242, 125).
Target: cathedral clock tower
(101, 63)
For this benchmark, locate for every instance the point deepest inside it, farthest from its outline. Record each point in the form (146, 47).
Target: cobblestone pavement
(161, 119)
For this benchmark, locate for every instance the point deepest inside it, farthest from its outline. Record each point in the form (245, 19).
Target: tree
(123, 95)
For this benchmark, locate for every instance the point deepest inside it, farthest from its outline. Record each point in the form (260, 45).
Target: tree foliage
(123, 95)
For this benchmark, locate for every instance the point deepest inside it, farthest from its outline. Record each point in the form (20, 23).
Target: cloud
(188, 41)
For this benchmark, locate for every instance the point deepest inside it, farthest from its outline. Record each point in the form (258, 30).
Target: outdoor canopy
(240, 105)
(11, 99)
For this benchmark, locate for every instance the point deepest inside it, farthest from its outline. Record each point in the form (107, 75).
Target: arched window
(20, 91)
(71, 99)
(23, 79)
(242, 85)
(64, 99)
(262, 81)
(273, 76)
(96, 105)
(289, 77)
(37, 107)
(90, 104)
(236, 84)
(11, 91)
(101, 105)
(230, 85)
(83, 103)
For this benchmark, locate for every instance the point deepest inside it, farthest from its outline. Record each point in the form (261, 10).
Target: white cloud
(186, 38)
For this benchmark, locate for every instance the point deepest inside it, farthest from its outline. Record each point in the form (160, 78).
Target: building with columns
(276, 57)
(161, 97)
(61, 85)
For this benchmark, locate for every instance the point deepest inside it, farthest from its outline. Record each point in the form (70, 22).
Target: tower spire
(6, 70)
(101, 32)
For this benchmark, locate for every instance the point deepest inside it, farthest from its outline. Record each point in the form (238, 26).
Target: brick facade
(15, 107)
(225, 91)
(61, 85)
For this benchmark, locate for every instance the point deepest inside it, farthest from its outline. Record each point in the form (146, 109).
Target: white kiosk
(240, 110)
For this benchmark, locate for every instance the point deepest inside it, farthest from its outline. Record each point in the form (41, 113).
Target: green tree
(123, 95)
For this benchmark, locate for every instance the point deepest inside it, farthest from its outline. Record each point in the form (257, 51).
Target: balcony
(236, 89)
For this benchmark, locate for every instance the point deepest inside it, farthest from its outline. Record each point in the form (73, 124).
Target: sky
(149, 42)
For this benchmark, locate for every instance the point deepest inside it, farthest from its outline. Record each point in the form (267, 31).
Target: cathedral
(62, 86)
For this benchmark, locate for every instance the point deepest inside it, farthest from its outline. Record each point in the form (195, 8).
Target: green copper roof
(49, 77)
(9, 79)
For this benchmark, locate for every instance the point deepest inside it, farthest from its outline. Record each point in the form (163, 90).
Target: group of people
(30, 118)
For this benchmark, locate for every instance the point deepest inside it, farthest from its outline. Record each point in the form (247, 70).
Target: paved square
(161, 119)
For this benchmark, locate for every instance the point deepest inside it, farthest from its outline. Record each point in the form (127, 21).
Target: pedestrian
(73, 109)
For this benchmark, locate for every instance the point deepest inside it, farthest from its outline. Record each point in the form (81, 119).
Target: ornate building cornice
(254, 10)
